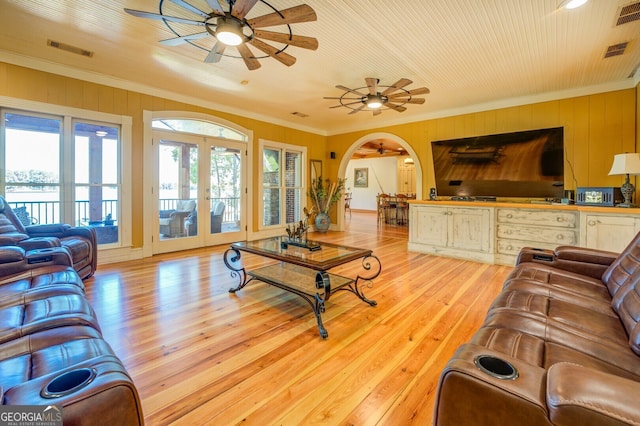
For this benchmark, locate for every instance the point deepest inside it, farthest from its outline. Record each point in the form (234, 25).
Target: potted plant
(324, 195)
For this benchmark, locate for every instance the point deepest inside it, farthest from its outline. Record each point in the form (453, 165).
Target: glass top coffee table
(304, 271)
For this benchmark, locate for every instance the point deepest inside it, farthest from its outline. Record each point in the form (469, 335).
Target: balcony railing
(49, 211)
(231, 209)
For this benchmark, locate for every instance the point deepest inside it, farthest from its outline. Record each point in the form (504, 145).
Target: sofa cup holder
(496, 367)
(68, 382)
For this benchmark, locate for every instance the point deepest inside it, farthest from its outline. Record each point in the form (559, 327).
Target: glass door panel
(176, 191)
(225, 194)
(200, 191)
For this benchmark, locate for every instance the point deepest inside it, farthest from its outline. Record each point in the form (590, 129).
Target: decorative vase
(323, 221)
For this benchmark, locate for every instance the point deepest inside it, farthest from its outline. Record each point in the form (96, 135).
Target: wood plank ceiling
(472, 54)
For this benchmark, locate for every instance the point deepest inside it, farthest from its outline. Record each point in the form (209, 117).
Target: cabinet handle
(592, 223)
(509, 232)
(559, 219)
(509, 248)
(509, 215)
(560, 237)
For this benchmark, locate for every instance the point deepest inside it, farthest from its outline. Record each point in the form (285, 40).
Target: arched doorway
(342, 169)
(197, 177)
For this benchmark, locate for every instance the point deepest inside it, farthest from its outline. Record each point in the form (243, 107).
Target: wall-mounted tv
(528, 164)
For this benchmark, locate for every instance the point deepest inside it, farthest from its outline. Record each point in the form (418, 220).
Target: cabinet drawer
(537, 234)
(538, 217)
(513, 247)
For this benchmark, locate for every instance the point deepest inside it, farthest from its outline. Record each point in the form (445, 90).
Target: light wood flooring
(201, 355)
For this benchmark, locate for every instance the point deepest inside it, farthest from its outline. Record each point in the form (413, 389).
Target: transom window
(198, 127)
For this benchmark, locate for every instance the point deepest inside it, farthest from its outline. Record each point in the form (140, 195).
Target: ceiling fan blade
(341, 97)
(349, 103)
(241, 7)
(183, 39)
(141, 14)
(215, 5)
(250, 61)
(419, 91)
(293, 15)
(346, 89)
(294, 40)
(377, 112)
(216, 53)
(398, 108)
(183, 4)
(408, 101)
(357, 109)
(372, 83)
(284, 58)
(397, 86)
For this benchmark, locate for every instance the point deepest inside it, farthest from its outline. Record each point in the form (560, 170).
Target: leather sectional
(51, 348)
(560, 345)
(79, 241)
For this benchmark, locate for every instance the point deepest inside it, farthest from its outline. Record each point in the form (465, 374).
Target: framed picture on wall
(361, 178)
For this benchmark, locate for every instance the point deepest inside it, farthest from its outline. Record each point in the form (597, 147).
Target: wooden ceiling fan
(226, 24)
(391, 97)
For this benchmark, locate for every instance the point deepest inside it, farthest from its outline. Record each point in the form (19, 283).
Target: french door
(199, 191)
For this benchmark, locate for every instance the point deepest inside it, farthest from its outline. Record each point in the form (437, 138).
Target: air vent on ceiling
(616, 49)
(629, 13)
(70, 48)
(300, 114)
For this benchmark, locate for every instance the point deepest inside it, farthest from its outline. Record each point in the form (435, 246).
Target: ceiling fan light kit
(375, 101)
(230, 32)
(392, 97)
(228, 26)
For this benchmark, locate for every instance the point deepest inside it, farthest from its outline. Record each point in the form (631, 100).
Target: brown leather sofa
(560, 345)
(79, 241)
(51, 348)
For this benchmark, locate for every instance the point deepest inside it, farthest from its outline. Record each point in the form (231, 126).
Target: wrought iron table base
(323, 279)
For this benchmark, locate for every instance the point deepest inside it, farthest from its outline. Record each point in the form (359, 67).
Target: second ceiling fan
(390, 97)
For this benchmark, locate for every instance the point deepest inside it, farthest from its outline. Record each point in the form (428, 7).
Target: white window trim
(148, 154)
(69, 113)
(262, 144)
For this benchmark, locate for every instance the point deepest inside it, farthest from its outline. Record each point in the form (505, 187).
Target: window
(97, 183)
(198, 127)
(64, 167)
(283, 188)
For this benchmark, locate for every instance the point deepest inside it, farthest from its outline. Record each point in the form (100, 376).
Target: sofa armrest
(582, 395)
(586, 255)
(11, 254)
(46, 230)
(583, 261)
(36, 243)
(62, 231)
(11, 239)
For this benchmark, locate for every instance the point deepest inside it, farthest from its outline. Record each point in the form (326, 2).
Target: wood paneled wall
(25, 83)
(596, 127)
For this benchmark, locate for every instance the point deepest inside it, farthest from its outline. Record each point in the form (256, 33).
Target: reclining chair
(79, 241)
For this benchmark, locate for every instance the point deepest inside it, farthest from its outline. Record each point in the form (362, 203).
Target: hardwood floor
(201, 355)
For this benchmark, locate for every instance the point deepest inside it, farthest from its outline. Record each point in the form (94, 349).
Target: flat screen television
(528, 164)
